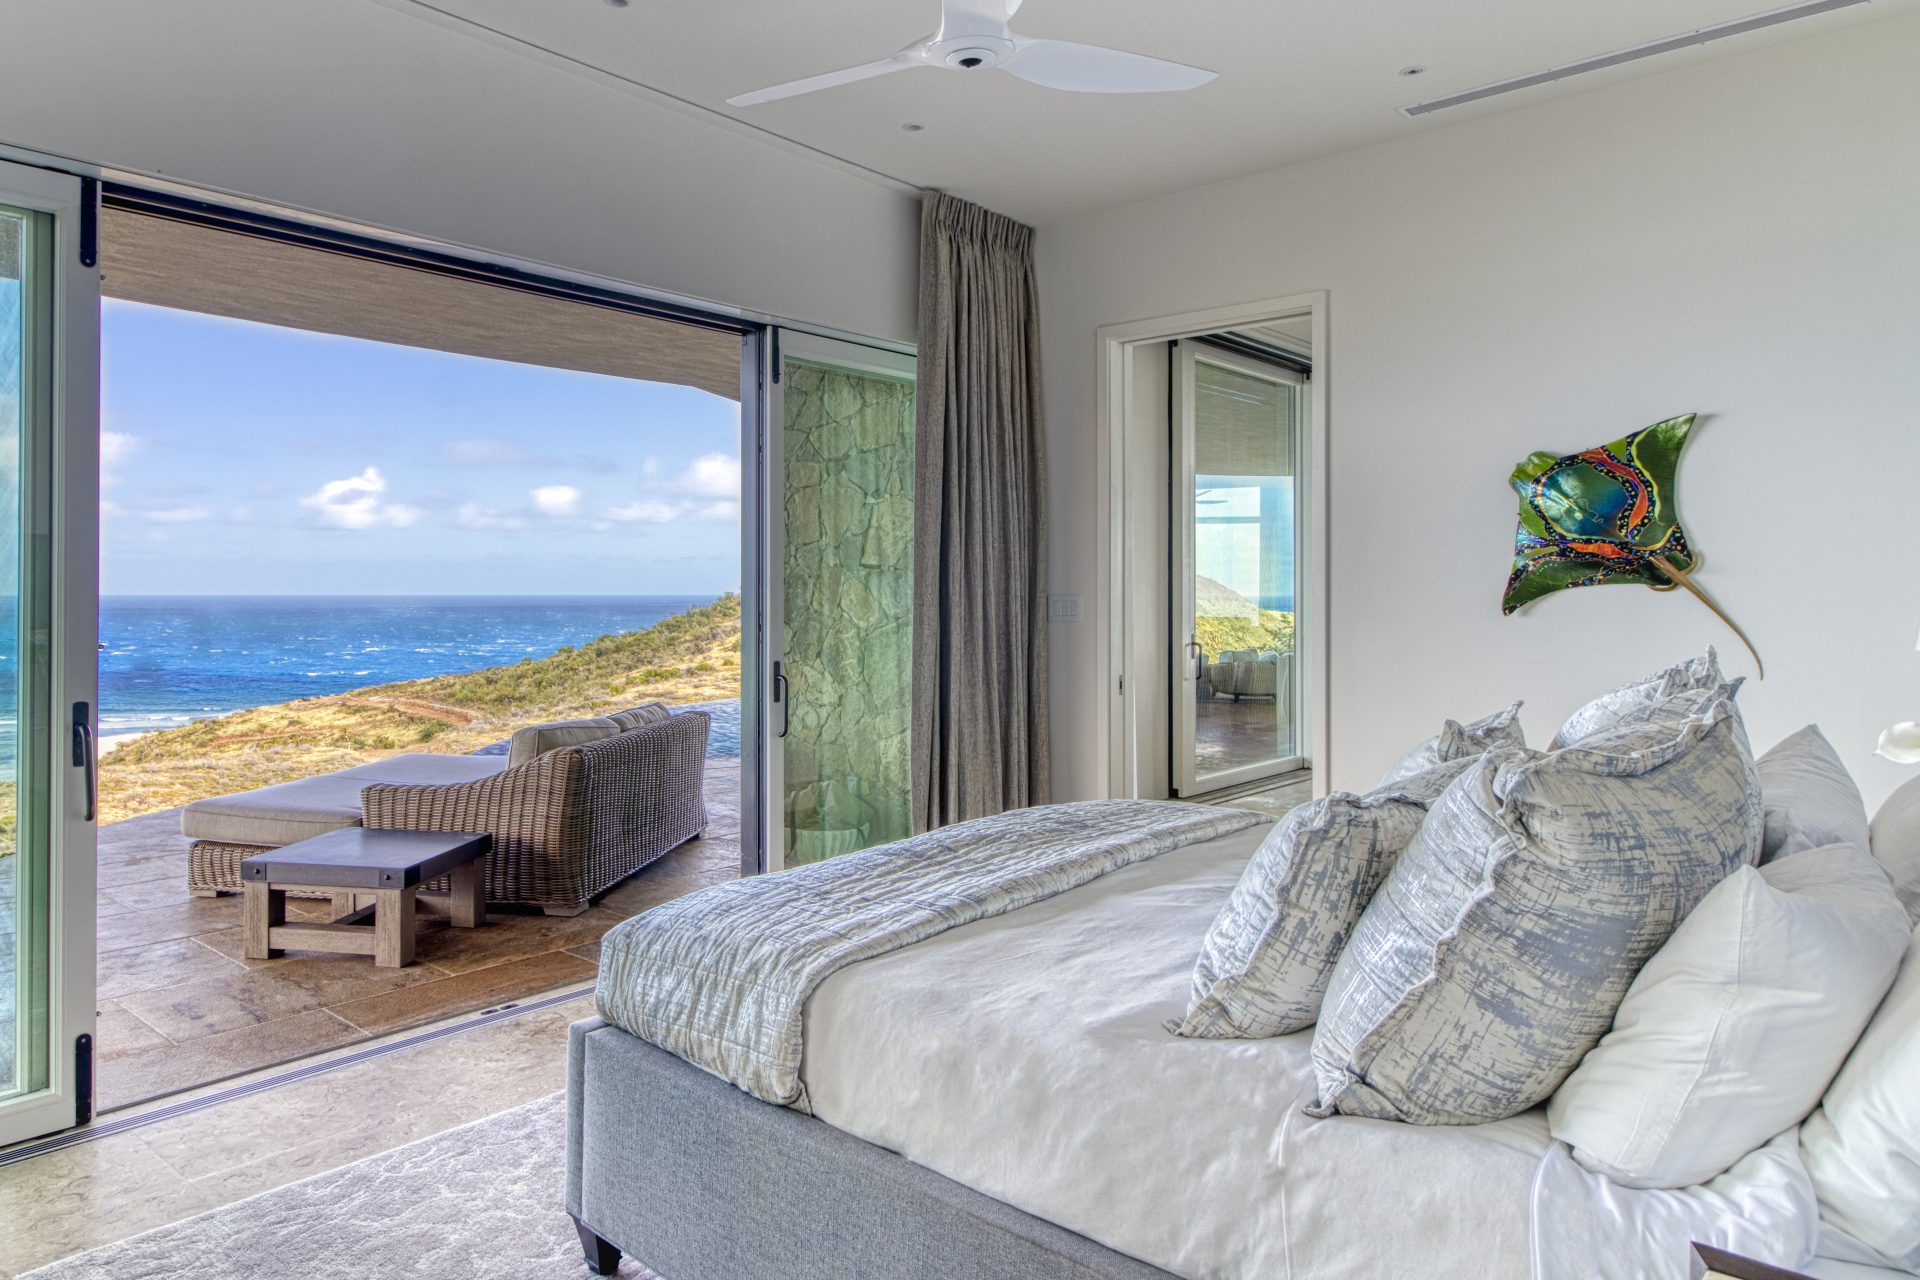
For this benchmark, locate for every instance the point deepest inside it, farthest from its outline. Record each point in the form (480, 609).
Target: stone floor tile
(140, 1076)
(474, 989)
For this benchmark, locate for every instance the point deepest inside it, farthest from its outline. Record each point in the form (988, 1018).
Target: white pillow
(1457, 741)
(1862, 1147)
(1609, 709)
(1810, 798)
(1896, 842)
(1736, 1026)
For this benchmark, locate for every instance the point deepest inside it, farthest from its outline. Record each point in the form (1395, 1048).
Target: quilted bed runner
(721, 977)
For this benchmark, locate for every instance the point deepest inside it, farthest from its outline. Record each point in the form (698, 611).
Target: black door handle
(782, 694)
(84, 754)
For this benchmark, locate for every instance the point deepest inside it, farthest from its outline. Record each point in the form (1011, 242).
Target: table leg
(345, 904)
(265, 908)
(467, 901)
(393, 927)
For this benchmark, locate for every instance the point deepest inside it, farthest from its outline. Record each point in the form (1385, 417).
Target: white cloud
(556, 500)
(727, 510)
(116, 447)
(472, 515)
(177, 515)
(644, 511)
(355, 503)
(711, 475)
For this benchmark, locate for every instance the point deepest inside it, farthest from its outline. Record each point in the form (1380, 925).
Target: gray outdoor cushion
(290, 811)
(1265, 963)
(1457, 741)
(1810, 797)
(1507, 934)
(639, 717)
(535, 740)
(1640, 697)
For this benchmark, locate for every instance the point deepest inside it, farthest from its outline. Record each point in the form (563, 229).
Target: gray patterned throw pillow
(1641, 698)
(1265, 964)
(1506, 935)
(1457, 741)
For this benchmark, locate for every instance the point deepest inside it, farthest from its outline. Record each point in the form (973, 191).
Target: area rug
(481, 1202)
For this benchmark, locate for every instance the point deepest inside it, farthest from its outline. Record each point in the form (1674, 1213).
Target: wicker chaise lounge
(566, 825)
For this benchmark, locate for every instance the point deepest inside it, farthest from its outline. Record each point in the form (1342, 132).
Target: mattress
(1023, 1056)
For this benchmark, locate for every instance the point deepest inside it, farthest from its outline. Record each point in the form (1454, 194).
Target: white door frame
(769, 488)
(1183, 673)
(75, 606)
(1125, 659)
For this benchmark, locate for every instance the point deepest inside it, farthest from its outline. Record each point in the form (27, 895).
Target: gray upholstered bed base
(699, 1181)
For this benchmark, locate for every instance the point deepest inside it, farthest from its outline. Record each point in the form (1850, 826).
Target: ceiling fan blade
(825, 80)
(1087, 68)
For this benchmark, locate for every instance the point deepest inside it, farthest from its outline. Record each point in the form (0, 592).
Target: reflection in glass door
(49, 316)
(840, 600)
(1236, 516)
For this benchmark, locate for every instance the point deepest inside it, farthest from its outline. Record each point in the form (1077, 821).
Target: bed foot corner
(603, 1256)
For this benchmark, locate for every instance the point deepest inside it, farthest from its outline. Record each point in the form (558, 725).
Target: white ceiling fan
(973, 36)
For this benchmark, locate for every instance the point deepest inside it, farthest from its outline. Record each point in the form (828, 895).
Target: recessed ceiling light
(911, 127)
(619, 4)
(1415, 70)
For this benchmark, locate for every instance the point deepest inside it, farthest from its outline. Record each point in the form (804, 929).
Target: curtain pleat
(980, 743)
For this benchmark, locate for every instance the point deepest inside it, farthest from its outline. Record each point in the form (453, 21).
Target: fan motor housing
(971, 53)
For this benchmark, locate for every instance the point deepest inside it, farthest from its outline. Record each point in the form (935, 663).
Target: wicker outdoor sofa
(566, 826)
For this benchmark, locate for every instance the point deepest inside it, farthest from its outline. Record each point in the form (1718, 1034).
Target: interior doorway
(1216, 437)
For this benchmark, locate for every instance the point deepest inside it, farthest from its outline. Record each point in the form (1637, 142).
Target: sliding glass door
(837, 665)
(1236, 592)
(49, 479)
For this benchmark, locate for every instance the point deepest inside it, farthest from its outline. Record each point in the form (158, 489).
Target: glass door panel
(1236, 517)
(841, 600)
(47, 399)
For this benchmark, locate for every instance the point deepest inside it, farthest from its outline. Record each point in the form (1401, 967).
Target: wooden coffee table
(354, 863)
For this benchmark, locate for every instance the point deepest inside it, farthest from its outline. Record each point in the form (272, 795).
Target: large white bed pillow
(1457, 741)
(1896, 842)
(1736, 1026)
(1636, 697)
(1494, 955)
(1862, 1146)
(1810, 797)
(1264, 966)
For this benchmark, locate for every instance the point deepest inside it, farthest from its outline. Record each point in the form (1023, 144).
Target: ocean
(166, 660)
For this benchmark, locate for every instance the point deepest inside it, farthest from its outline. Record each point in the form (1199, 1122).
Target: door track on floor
(291, 1075)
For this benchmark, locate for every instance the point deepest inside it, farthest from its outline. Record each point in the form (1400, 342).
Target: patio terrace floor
(181, 1007)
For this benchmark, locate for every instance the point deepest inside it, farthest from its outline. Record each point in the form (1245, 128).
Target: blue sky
(245, 459)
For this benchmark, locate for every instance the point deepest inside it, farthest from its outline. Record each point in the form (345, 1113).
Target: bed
(1001, 1100)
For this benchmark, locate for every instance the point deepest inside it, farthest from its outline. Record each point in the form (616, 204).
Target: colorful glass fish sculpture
(1604, 515)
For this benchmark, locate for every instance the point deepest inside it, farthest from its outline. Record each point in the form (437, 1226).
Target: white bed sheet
(1024, 1056)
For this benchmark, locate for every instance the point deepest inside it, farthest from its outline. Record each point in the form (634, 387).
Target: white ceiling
(1298, 78)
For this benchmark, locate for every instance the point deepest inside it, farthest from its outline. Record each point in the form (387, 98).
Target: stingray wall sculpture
(1606, 515)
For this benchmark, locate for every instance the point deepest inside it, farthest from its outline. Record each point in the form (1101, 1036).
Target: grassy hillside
(692, 657)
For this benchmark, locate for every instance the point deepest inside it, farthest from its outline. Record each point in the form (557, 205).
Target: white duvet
(1024, 1056)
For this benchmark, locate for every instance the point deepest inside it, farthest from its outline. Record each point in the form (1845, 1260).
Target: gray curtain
(980, 540)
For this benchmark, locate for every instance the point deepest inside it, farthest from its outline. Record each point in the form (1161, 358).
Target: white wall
(351, 108)
(1740, 238)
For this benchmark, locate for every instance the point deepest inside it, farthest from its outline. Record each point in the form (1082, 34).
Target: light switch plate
(1063, 608)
